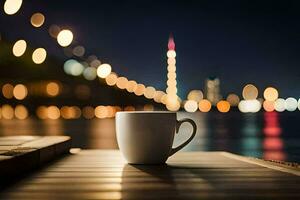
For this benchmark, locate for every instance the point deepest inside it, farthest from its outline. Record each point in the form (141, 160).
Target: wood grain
(20, 154)
(104, 174)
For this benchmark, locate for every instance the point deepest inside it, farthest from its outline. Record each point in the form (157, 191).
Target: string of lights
(91, 68)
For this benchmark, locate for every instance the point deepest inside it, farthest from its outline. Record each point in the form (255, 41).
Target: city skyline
(230, 48)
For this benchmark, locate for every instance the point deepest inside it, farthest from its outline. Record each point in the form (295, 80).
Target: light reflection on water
(264, 135)
(273, 143)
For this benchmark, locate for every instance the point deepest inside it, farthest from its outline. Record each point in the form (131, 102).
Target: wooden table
(20, 154)
(104, 174)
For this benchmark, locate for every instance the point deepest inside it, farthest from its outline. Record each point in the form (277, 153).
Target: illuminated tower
(172, 102)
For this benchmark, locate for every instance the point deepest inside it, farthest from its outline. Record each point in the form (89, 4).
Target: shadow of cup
(148, 181)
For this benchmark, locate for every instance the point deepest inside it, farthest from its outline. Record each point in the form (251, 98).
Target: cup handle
(178, 124)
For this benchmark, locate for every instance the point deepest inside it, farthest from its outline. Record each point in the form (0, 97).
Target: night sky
(238, 41)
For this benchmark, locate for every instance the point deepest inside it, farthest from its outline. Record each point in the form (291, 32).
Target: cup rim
(146, 112)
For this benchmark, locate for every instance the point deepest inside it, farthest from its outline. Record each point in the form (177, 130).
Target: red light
(272, 126)
(171, 43)
(273, 143)
(272, 131)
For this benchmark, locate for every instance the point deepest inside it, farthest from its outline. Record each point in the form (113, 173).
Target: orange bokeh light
(52, 89)
(21, 112)
(204, 105)
(269, 106)
(270, 94)
(101, 112)
(7, 91)
(140, 89)
(223, 106)
(122, 82)
(20, 91)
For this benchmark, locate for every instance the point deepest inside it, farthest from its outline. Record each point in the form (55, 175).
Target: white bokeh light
(279, 105)
(291, 104)
(104, 70)
(191, 106)
(12, 6)
(249, 106)
(73, 67)
(90, 73)
(65, 38)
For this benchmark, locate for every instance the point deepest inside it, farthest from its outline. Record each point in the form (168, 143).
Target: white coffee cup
(147, 137)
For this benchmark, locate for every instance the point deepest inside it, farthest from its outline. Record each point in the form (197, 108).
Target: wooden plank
(101, 174)
(29, 152)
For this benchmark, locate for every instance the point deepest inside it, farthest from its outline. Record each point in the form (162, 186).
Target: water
(274, 136)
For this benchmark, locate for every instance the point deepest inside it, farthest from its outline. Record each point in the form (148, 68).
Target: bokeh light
(279, 105)
(298, 104)
(131, 86)
(171, 83)
(19, 48)
(172, 103)
(171, 75)
(104, 70)
(269, 106)
(191, 106)
(73, 67)
(233, 99)
(21, 112)
(204, 105)
(37, 19)
(158, 96)
(53, 112)
(223, 106)
(20, 91)
(122, 82)
(12, 6)
(149, 92)
(78, 51)
(65, 112)
(270, 94)
(90, 73)
(7, 91)
(70, 112)
(111, 79)
(171, 54)
(171, 61)
(171, 99)
(54, 30)
(249, 106)
(95, 63)
(171, 71)
(171, 90)
(39, 55)
(101, 112)
(291, 104)
(88, 112)
(164, 98)
(52, 89)
(65, 37)
(195, 95)
(7, 111)
(76, 112)
(250, 92)
(111, 111)
(42, 112)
